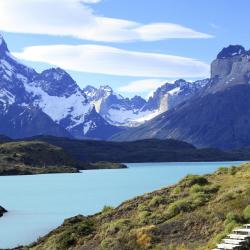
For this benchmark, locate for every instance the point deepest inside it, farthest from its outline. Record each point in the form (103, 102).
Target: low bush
(246, 213)
(191, 180)
(156, 201)
(107, 209)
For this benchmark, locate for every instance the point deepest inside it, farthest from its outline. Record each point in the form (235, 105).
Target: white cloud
(91, 1)
(76, 19)
(145, 85)
(112, 61)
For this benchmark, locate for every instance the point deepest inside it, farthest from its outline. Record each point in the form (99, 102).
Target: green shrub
(144, 216)
(65, 240)
(196, 188)
(199, 199)
(84, 228)
(116, 226)
(142, 207)
(233, 217)
(156, 201)
(191, 180)
(225, 170)
(108, 243)
(178, 207)
(107, 209)
(246, 213)
(176, 190)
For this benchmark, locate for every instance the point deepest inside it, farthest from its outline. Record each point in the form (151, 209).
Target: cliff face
(230, 68)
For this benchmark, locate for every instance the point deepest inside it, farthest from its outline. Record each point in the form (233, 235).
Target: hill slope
(193, 214)
(151, 150)
(34, 158)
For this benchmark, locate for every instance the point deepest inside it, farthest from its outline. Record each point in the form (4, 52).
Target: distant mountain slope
(218, 116)
(20, 121)
(151, 150)
(121, 111)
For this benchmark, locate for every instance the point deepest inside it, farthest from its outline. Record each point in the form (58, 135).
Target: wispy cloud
(145, 85)
(75, 18)
(114, 61)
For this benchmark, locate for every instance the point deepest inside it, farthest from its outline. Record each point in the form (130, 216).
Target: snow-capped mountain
(114, 108)
(121, 111)
(170, 95)
(51, 102)
(53, 93)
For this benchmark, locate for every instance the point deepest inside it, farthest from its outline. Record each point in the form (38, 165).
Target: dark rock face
(170, 95)
(93, 121)
(20, 122)
(57, 82)
(231, 50)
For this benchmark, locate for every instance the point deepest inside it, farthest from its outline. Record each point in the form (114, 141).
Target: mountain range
(211, 112)
(52, 103)
(216, 116)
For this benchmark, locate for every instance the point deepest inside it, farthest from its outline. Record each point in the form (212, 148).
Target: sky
(132, 45)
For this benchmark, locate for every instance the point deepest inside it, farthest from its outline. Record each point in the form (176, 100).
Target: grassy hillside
(139, 151)
(34, 158)
(193, 214)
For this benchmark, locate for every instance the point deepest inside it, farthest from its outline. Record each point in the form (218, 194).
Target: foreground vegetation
(193, 214)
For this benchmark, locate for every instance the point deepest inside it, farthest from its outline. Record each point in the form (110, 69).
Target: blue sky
(133, 55)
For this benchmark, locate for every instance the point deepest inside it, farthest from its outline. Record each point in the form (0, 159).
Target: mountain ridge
(216, 116)
(58, 97)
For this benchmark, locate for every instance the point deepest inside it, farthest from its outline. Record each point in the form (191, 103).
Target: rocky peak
(230, 51)
(56, 74)
(3, 46)
(137, 102)
(230, 68)
(106, 88)
(180, 82)
(57, 82)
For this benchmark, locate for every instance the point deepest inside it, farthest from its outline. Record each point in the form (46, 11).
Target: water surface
(39, 203)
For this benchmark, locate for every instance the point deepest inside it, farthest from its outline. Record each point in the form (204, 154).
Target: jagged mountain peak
(56, 74)
(89, 88)
(3, 46)
(56, 82)
(230, 51)
(180, 81)
(105, 90)
(230, 68)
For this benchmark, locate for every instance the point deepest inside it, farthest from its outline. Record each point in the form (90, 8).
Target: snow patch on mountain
(6, 98)
(59, 108)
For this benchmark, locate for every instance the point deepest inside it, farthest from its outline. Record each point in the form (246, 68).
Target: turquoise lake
(39, 203)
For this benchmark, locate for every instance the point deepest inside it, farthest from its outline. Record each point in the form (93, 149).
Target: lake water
(39, 203)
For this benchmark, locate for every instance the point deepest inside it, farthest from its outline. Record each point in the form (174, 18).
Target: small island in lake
(2, 211)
